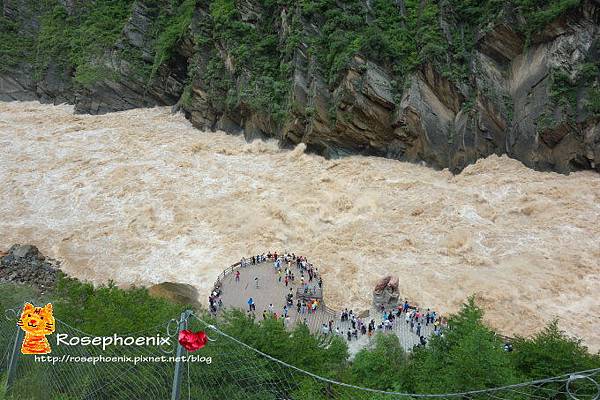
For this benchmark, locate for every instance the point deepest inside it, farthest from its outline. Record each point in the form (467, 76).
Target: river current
(142, 197)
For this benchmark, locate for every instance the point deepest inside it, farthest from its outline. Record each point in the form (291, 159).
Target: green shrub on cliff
(77, 39)
(15, 45)
(540, 13)
(53, 41)
(172, 28)
(565, 88)
(383, 33)
(98, 29)
(256, 45)
(102, 310)
(299, 347)
(254, 55)
(593, 105)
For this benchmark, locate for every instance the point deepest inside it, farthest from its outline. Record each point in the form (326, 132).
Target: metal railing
(331, 313)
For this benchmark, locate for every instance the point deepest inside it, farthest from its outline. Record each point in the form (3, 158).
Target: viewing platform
(267, 288)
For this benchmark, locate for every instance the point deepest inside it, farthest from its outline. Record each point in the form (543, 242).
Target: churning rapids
(142, 197)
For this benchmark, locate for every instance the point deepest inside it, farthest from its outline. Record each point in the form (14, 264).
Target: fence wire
(237, 371)
(248, 373)
(68, 373)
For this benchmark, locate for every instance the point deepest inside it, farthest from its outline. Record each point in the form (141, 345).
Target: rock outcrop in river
(421, 81)
(25, 264)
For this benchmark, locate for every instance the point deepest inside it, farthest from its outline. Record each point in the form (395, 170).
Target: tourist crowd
(294, 270)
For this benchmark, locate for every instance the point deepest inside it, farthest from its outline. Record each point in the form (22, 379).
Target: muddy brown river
(142, 197)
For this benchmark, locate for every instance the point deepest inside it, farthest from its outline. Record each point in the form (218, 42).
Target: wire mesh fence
(78, 371)
(226, 368)
(247, 373)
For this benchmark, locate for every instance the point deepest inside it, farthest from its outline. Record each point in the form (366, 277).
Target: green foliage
(77, 40)
(298, 347)
(400, 42)
(545, 121)
(309, 111)
(539, 13)
(469, 356)
(564, 90)
(186, 96)
(255, 55)
(404, 41)
(464, 19)
(96, 31)
(551, 353)
(341, 36)
(14, 46)
(589, 72)
(138, 66)
(381, 366)
(101, 310)
(106, 310)
(593, 104)
(468, 105)
(12, 295)
(589, 77)
(56, 25)
(172, 29)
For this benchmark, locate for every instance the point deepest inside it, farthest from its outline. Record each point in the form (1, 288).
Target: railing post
(14, 358)
(176, 390)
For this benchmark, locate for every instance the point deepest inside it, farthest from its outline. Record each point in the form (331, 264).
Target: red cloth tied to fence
(192, 341)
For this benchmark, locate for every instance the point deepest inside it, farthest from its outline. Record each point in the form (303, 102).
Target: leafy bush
(550, 353)
(298, 347)
(382, 365)
(106, 310)
(172, 28)
(255, 56)
(77, 40)
(563, 89)
(593, 104)
(469, 356)
(401, 36)
(539, 13)
(15, 46)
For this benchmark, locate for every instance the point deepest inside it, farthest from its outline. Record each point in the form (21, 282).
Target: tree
(551, 353)
(324, 356)
(380, 366)
(468, 356)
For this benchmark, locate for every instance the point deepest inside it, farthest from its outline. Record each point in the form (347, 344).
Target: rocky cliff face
(254, 68)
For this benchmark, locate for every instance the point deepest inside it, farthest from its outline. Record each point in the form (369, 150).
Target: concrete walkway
(271, 291)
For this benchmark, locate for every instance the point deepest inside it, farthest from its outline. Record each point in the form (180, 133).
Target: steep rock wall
(524, 95)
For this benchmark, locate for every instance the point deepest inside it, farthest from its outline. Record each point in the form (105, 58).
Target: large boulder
(386, 292)
(177, 292)
(25, 264)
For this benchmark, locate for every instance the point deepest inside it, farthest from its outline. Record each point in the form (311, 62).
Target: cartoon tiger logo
(37, 322)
